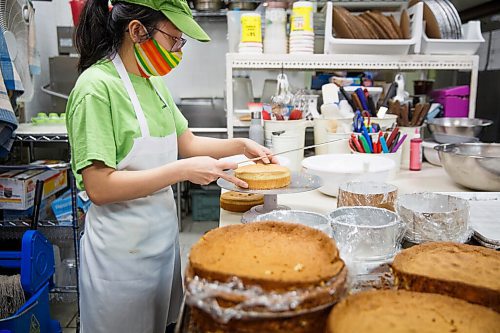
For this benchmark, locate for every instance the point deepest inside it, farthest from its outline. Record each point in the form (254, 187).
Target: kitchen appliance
(63, 75)
(207, 5)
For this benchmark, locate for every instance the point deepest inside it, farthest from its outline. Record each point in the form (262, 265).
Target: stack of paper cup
(275, 40)
(302, 28)
(251, 33)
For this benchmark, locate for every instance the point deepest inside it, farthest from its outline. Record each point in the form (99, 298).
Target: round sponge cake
(264, 176)
(239, 202)
(469, 272)
(272, 255)
(296, 264)
(405, 312)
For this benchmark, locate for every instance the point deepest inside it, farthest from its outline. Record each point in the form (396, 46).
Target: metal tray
(184, 319)
(300, 182)
(484, 212)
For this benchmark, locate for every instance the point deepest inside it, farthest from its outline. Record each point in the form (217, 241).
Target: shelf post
(473, 86)
(229, 96)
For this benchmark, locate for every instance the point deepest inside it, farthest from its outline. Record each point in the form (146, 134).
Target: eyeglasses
(179, 42)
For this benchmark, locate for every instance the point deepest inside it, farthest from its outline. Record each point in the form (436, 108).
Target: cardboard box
(62, 209)
(27, 214)
(17, 187)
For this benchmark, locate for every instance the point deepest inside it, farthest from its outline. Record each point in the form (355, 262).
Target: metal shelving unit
(27, 133)
(313, 62)
(218, 13)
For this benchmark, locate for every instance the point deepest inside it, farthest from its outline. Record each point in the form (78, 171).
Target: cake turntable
(300, 182)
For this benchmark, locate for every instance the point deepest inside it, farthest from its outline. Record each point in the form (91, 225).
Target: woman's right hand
(203, 170)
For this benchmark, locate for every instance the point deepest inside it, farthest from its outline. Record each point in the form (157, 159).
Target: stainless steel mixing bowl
(473, 165)
(310, 219)
(457, 130)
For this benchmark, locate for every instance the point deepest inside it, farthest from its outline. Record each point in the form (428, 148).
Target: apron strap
(120, 68)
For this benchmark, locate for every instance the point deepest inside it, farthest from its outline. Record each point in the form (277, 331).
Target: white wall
(201, 72)
(48, 15)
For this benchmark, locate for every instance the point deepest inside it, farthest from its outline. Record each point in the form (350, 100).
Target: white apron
(130, 263)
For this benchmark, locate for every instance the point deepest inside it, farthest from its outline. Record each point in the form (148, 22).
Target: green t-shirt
(101, 121)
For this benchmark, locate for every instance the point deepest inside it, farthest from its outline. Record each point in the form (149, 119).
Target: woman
(125, 133)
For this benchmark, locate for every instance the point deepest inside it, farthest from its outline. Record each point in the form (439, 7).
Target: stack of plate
(301, 42)
(442, 20)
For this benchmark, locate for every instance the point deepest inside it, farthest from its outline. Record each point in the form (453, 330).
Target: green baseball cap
(178, 12)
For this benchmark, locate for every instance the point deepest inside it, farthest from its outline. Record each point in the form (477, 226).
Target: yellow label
(302, 19)
(251, 30)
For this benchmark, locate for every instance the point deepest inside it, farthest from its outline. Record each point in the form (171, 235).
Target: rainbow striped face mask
(154, 60)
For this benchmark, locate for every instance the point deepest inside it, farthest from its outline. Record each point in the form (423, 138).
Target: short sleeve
(181, 123)
(90, 131)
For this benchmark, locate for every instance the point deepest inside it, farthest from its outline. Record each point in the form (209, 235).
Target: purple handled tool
(400, 142)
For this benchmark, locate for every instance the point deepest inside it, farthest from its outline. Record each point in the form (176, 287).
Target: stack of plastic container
(251, 33)
(275, 40)
(302, 28)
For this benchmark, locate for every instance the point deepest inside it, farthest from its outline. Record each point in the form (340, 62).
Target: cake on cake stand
(300, 182)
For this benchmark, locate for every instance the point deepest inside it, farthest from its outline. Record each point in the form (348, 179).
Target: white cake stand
(300, 182)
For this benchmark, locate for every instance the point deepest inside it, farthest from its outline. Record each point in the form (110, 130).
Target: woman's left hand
(252, 149)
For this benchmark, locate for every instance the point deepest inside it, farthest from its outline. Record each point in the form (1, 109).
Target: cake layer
(264, 176)
(405, 312)
(273, 255)
(464, 271)
(240, 202)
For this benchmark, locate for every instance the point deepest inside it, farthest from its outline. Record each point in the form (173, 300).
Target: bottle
(330, 107)
(256, 131)
(416, 152)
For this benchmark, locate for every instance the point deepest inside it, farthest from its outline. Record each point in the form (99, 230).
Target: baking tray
(484, 213)
(184, 320)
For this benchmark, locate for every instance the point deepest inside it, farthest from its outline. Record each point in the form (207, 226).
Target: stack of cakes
(264, 277)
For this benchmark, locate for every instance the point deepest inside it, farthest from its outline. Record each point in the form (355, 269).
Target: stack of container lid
(251, 33)
(302, 28)
(442, 20)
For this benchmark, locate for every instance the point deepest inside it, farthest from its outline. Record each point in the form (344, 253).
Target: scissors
(366, 114)
(358, 122)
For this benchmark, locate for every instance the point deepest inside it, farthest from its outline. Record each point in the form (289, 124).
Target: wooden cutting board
(341, 25)
(405, 24)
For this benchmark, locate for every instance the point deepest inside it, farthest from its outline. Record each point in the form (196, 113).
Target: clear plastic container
(372, 194)
(366, 233)
(67, 274)
(434, 217)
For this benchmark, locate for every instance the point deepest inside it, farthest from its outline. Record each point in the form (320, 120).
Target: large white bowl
(335, 169)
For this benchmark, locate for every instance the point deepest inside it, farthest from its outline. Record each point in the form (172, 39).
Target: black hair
(99, 33)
